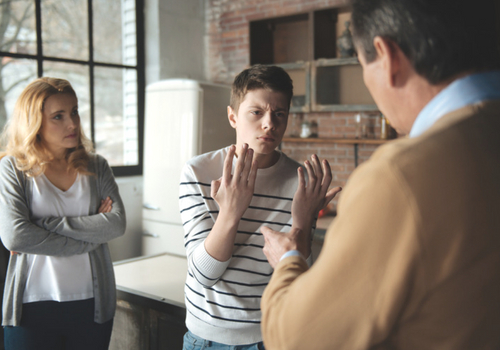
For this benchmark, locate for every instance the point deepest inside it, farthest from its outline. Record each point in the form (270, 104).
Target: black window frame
(139, 67)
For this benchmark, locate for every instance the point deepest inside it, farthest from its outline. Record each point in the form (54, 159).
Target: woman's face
(60, 123)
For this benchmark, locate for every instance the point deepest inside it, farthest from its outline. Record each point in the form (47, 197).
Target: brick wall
(228, 53)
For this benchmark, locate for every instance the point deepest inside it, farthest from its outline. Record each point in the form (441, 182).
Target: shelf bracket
(355, 155)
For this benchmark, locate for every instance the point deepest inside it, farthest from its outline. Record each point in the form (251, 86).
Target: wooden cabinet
(300, 37)
(147, 324)
(301, 76)
(337, 85)
(150, 313)
(305, 45)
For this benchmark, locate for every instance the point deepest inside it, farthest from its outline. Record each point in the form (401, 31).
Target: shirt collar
(460, 93)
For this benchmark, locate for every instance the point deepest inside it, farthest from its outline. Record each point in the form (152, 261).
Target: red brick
(324, 122)
(330, 152)
(345, 129)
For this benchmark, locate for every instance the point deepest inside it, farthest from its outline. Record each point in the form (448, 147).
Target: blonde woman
(59, 207)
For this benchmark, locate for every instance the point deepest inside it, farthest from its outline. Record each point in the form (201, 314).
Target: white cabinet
(158, 237)
(184, 118)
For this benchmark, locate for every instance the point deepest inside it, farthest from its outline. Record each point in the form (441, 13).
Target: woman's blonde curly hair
(20, 135)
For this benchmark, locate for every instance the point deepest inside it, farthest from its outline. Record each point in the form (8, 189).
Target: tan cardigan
(412, 261)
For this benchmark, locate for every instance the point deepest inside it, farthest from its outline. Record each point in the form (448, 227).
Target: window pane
(116, 133)
(19, 36)
(15, 75)
(65, 29)
(78, 76)
(114, 35)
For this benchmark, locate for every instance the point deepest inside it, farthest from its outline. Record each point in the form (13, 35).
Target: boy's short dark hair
(260, 77)
(441, 38)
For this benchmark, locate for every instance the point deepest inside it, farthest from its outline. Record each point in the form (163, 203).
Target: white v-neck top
(51, 277)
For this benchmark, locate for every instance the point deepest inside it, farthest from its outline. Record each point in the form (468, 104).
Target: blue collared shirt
(465, 91)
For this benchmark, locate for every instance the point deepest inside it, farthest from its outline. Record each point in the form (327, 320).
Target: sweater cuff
(207, 265)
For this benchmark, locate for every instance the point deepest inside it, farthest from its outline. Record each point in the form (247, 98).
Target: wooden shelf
(335, 140)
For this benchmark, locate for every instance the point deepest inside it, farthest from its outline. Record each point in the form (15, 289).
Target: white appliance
(184, 118)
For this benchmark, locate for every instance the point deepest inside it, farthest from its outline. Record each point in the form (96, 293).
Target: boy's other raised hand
(233, 192)
(310, 198)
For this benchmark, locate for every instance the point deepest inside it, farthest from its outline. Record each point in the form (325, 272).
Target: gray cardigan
(59, 236)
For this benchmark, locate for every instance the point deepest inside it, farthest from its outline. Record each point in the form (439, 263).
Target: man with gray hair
(412, 260)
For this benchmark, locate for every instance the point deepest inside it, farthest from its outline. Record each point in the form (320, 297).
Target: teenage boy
(225, 198)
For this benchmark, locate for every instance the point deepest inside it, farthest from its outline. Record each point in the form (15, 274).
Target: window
(95, 44)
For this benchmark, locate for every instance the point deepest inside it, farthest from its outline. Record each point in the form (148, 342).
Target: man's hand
(278, 243)
(308, 201)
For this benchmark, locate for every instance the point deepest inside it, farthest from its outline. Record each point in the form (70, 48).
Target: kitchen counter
(150, 312)
(150, 291)
(158, 277)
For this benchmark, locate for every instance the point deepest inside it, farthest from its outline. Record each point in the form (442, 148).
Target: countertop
(159, 277)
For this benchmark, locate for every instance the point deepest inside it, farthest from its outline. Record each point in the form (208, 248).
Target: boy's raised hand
(233, 192)
(308, 201)
(311, 198)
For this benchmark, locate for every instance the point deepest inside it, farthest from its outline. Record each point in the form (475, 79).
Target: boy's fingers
(240, 162)
(253, 174)
(214, 188)
(331, 194)
(318, 171)
(248, 165)
(316, 165)
(327, 174)
(302, 180)
(228, 164)
(310, 174)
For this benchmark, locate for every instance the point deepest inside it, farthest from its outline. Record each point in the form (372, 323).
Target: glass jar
(305, 129)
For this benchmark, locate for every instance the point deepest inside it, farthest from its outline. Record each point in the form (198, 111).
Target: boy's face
(260, 121)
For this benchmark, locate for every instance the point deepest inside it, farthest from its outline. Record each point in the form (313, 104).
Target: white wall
(175, 46)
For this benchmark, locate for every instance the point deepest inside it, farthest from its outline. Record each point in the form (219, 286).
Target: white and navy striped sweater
(223, 298)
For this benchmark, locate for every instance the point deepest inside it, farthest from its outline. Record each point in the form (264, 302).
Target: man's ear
(390, 55)
(231, 115)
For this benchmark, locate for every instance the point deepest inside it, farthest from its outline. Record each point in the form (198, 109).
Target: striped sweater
(223, 298)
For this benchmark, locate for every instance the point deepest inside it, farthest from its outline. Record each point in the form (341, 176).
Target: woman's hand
(106, 206)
